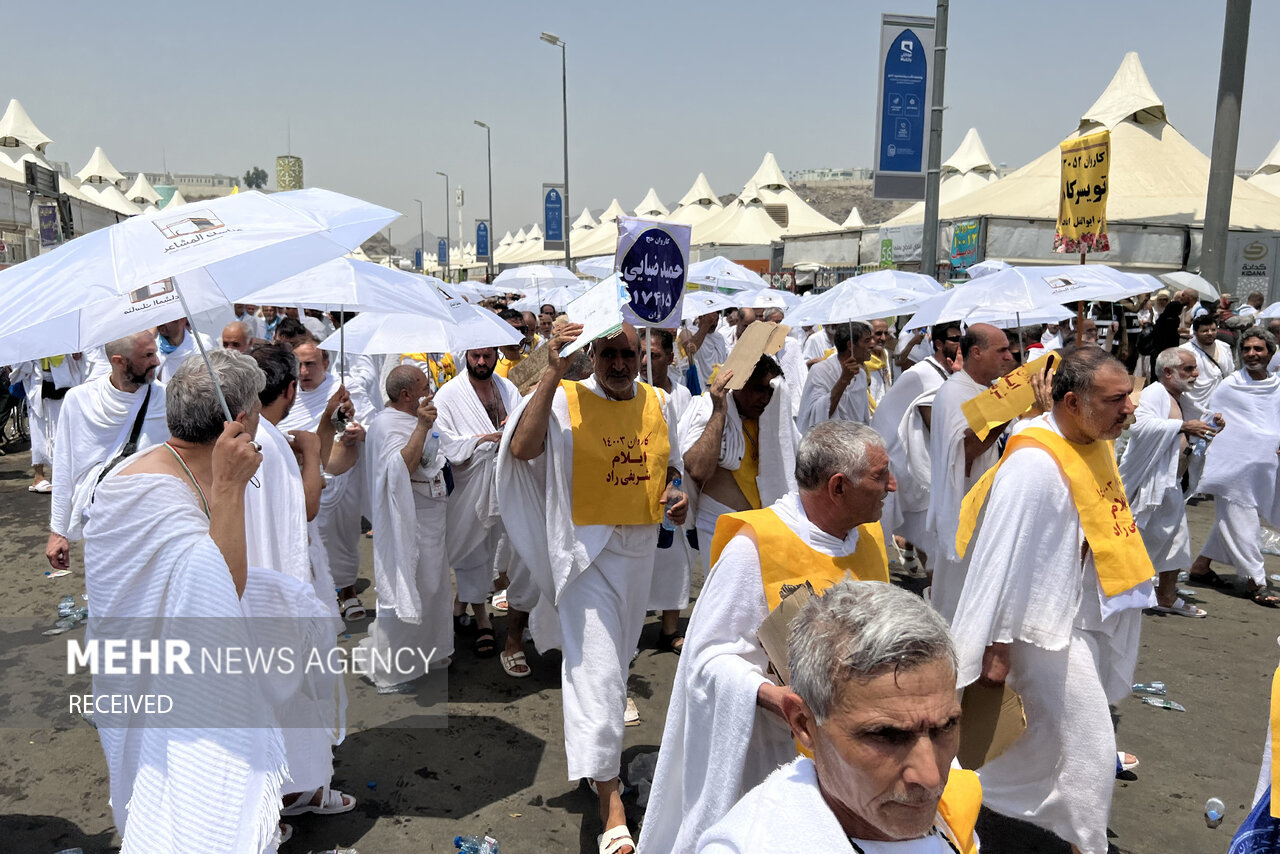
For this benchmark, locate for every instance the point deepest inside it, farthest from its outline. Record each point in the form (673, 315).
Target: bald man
(237, 336)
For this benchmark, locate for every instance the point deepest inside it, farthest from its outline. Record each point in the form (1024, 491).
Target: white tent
(531, 250)
(1267, 176)
(99, 169)
(1156, 176)
(967, 169)
(98, 181)
(744, 221)
(853, 220)
(176, 200)
(651, 207)
(790, 211)
(584, 223)
(697, 205)
(603, 239)
(16, 127)
(510, 246)
(141, 192)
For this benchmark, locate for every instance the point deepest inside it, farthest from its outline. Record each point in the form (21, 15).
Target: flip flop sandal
(286, 833)
(1209, 578)
(1264, 597)
(44, 487)
(485, 646)
(1123, 766)
(512, 661)
(673, 642)
(352, 610)
(631, 717)
(500, 601)
(615, 839)
(332, 802)
(1182, 608)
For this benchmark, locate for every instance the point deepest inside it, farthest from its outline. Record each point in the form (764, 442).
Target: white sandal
(615, 839)
(332, 802)
(352, 609)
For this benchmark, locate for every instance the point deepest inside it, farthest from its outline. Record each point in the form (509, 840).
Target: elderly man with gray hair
(726, 729)
(165, 542)
(874, 699)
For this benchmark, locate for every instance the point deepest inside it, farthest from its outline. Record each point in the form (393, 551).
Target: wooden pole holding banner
(648, 352)
(1080, 313)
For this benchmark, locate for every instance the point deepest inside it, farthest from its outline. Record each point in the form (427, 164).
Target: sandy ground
(499, 768)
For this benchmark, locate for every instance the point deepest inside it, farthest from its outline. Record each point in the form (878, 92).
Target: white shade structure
(744, 221)
(535, 278)
(791, 212)
(698, 204)
(99, 169)
(651, 207)
(1267, 176)
(853, 220)
(16, 127)
(968, 168)
(603, 239)
(141, 192)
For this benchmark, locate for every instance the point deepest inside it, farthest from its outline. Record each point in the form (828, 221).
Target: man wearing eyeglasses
(509, 357)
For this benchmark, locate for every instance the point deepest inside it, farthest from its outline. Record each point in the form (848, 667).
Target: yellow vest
(749, 469)
(787, 561)
(961, 801)
(442, 369)
(1275, 742)
(504, 365)
(1119, 555)
(875, 363)
(620, 454)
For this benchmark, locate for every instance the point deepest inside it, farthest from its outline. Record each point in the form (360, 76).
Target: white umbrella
(559, 297)
(845, 305)
(1272, 310)
(535, 278)
(768, 298)
(347, 284)
(1182, 279)
(894, 282)
(378, 332)
(698, 303)
(720, 272)
(600, 267)
(1031, 318)
(983, 268)
(1021, 289)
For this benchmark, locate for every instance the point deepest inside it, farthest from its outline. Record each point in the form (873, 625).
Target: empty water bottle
(666, 535)
(66, 605)
(1161, 703)
(1213, 810)
(1149, 688)
(1198, 446)
(476, 844)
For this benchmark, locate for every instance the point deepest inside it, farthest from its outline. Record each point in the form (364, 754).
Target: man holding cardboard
(725, 729)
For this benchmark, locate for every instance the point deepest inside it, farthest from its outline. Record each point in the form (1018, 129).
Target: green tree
(255, 178)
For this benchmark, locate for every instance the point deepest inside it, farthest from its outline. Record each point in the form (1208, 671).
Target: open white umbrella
(984, 268)
(698, 303)
(894, 282)
(845, 305)
(600, 267)
(1180, 279)
(535, 278)
(374, 333)
(721, 273)
(766, 298)
(172, 263)
(557, 296)
(1270, 311)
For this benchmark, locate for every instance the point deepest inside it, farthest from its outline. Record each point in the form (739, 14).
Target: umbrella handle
(226, 410)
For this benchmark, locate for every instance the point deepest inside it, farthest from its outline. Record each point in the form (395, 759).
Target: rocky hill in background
(834, 199)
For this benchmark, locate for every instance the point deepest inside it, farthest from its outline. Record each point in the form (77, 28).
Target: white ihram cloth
(816, 345)
(148, 555)
(815, 400)
(778, 440)
(473, 521)
(409, 568)
(949, 484)
(714, 351)
(95, 424)
(365, 385)
(717, 743)
(1241, 471)
(906, 440)
(276, 538)
(170, 362)
(794, 369)
(879, 382)
(788, 813)
(343, 500)
(1072, 651)
(1213, 368)
(1149, 471)
(42, 414)
(669, 589)
(593, 582)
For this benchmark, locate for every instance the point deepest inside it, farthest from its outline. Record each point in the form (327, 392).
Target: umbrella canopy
(137, 273)
(600, 267)
(1023, 289)
(374, 333)
(844, 305)
(1034, 317)
(982, 268)
(720, 272)
(535, 278)
(1182, 279)
(767, 298)
(698, 303)
(894, 281)
(345, 284)
(557, 296)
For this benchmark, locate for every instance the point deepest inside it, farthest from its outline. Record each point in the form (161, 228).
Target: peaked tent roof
(108, 195)
(141, 190)
(651, 206)
(584, 221)
(99, 169)
(769, 176)
(772, 188)
(744, 221)
(612, 212)
(176, 199)
(1267, 176)
(603, 239)
(967, 169)
(853, 220)
(698, 205)
(16, 124)
(971, 156)
(1156, 175)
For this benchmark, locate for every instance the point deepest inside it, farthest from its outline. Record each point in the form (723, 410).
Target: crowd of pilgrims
(578, 494)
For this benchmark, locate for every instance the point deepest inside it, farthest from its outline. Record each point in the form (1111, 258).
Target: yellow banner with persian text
(1009, 397)
(1082, 204)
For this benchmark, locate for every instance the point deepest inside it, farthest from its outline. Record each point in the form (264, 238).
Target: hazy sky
(380, 95)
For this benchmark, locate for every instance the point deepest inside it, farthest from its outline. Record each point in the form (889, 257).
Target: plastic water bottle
(667, 524)
(476, 844)
(430, 448)
(1213, 810)
(1150, 688)
(1161, 703)
(1199, 445)
(66, 605)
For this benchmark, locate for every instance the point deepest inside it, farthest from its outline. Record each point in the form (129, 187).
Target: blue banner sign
(902, 124)
(652, 260)
(442, 252)
(553, 216)
(482, 240)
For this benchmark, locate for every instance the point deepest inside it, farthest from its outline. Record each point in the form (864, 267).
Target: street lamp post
(422, 236)
(556, 41)
(446, 224)
(488, 139)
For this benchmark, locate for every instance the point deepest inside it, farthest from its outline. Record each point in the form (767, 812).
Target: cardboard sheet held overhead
(991, 719)
(760, 339)
(776, 628)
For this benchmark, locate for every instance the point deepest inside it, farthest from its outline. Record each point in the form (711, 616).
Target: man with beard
(102, 421)
(739, 448)
(320, 395)
(1150, 469)
(1053, 598)
(512, 355)
(176, 341)
(1240, 470)
(836, 388)
(472, 409)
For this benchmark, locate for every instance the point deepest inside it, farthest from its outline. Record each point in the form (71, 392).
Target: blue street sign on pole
(442, 252)
(482, 240)
(902, 123)
(552, 216)
(417, 259)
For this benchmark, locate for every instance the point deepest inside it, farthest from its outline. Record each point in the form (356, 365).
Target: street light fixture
(422, 237)
(446, 224)
(488, 138)
(555, 41)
